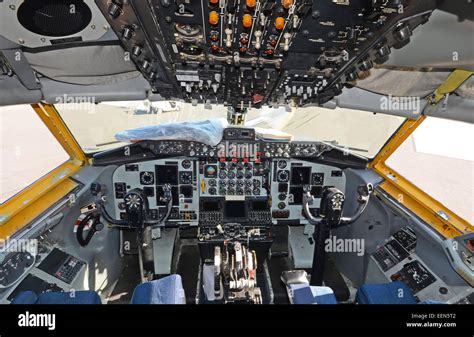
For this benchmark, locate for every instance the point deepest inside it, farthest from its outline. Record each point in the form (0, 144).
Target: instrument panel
(239, 183)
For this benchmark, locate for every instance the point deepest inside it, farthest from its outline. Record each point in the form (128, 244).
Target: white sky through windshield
(96, 125)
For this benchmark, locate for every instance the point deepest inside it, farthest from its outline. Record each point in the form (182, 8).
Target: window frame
(434, 213)
(33, 200)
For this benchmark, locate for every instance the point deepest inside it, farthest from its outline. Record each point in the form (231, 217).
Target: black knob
(127, 32)
(146, 65)
(351, 76)
(383, 50)
(366, 65)
(402, 33)
(114, 10)
(136, 51)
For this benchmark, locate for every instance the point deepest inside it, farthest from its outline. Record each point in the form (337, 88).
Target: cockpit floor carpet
(334, 280)
(129, 279)
(188, 268)
(275, 268)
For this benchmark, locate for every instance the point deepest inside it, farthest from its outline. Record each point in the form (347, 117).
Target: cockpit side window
(428, 168)
(439, 159)
(38, 155)
(28, 150)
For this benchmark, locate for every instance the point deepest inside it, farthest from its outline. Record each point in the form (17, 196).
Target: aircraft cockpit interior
(236, 152)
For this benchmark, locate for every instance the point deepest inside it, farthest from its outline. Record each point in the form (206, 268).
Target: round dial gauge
(283, 176)
(282, 164)
(147, 178)
(186, 164)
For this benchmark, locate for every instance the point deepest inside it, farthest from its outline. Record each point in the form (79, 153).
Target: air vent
(55, 18)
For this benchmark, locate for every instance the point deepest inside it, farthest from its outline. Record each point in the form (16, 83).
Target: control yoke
(332, 205)
(136, 207)
(331, 209)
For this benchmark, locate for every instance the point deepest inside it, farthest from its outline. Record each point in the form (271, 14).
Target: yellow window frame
(445, 221)
(35, 199)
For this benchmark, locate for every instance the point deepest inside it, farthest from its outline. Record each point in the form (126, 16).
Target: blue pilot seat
(167, 290)
(396, 292)
(58, 297)
(306, 294)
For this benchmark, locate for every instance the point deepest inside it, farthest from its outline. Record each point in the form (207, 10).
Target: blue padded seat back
(306, 294)
(76, 297)
(58, 297)
(25, 297)
(167, 290)
(395, 292)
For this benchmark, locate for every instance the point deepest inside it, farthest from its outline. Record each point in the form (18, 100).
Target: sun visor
(86, 65)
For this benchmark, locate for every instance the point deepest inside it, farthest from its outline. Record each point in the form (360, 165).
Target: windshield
(364, 133)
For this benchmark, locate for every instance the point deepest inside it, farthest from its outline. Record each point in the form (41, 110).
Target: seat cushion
(167, 290)
(395, 292)
(25, 297)
(75, 297)
(58, 297)
(306, 294)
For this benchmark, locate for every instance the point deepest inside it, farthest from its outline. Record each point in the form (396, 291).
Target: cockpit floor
(129, 279)
(188, 267)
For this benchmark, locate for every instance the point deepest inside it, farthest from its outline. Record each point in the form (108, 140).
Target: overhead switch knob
(127, 33)
(251, 3)
(279, 23)
(114, 10)
(213, 18)
(402, 33)
(287, 3)
(247, 21)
